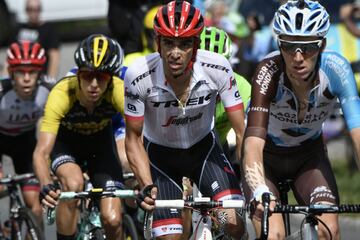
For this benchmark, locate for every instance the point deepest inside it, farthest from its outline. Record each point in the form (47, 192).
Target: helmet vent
(217, 37)
(317, 13)
(285, 14)
(309, 28)
(288, 28)
(298, 20)
(322, 25)
(166, 17)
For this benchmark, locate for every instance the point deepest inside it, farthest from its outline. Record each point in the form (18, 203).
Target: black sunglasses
(306, 48)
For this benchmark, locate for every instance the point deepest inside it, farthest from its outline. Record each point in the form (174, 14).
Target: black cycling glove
(47, 188)
(145, 192)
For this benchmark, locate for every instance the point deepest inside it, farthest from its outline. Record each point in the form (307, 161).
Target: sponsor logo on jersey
(174, 120)
(339, 66)
(259, 109)
(321, 192)
(264, 76)
(232, 82)
(131, 108)
(284, 117)
(131, 95)
(142, 76)
(24, 117)
(191, 102)
(215, 66)
(215, 186)
(292, 117)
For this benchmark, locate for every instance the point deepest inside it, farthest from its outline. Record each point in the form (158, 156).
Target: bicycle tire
(129, 228)
(33, 230)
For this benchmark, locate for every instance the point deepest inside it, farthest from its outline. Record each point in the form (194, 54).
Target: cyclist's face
(300, 55)
(176, 54)
(93, 84)
(25, 79)
(33, 10)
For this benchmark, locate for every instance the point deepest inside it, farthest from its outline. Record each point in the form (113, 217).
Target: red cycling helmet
(26, 53)
(178, 19)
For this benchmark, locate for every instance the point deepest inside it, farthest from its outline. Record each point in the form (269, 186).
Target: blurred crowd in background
(246, 21)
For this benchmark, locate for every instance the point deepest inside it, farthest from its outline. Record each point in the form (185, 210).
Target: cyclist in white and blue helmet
(301, 18)
(294, 90)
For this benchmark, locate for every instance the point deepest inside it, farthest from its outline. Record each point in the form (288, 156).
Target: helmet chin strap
(193, 57)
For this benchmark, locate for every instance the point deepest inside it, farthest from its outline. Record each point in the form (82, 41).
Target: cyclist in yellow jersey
(147, 37)
(76, 132)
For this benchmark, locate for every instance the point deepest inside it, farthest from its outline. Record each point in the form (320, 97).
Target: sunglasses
(21, 72)
(90, 75)
(306, 48)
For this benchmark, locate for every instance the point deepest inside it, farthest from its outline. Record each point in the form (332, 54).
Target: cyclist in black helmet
(76, 128)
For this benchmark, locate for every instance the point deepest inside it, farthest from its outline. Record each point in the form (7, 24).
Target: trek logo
(131, 95)
(215, 66)
(173, 120)
(142, 76)
(190, 102)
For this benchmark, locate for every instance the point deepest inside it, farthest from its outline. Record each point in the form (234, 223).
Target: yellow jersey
(63, 108)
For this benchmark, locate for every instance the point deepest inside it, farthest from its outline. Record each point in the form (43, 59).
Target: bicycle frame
(204, 205)
(15, 199)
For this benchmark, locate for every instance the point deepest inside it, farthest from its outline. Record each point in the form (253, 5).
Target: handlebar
(9, 180)
(98, 193)
(199, 203)
(314, 209)
(95, 193)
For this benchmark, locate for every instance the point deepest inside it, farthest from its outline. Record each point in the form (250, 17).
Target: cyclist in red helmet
(170, 98)
(22, 99)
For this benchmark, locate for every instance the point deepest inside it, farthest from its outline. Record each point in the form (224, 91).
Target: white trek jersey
(18, 116)
(166, 121)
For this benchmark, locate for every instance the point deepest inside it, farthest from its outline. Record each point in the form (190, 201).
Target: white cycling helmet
(301, 18)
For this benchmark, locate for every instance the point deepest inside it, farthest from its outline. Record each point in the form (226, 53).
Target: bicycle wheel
(129, 228)
(25, 226)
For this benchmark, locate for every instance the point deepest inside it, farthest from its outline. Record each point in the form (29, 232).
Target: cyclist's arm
(236, 119)
(263, 90)
(135, 151)
(41, 156)
(343, 85)
(355, 137)
(253, 163)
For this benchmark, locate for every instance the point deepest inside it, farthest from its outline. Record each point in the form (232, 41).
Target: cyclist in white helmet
(294, 90)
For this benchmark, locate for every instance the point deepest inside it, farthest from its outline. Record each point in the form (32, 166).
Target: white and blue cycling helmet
(301, 18)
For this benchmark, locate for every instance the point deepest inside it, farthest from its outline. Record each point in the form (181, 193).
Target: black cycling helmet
(101, 53)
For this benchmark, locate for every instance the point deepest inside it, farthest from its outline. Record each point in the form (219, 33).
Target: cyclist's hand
(146, 197)
(49, 195)
(257, 205)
